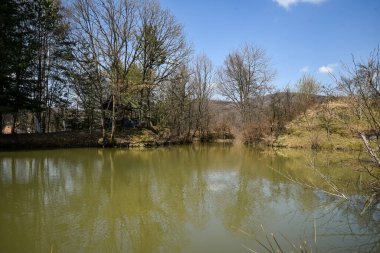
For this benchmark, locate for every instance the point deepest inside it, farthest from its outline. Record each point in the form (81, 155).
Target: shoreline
(82, 139)
(137, 138)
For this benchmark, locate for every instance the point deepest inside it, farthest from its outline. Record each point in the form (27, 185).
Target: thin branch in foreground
(336, 192)
(249, 249)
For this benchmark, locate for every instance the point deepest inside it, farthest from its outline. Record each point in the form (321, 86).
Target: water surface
(200, 198)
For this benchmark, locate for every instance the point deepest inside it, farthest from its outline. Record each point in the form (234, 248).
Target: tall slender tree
(202, 90)
(53, 53)
(176, 101)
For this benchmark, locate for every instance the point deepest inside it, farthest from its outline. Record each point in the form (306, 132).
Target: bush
(255, 133)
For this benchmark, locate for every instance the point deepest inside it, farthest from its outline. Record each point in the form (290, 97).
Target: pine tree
(16, 47)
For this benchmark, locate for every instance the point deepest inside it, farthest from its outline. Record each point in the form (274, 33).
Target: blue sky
(313, 36)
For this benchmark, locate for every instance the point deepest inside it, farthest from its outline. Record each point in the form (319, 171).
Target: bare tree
(308, 88)
(176, 103)
(202, 91)
(361, 85)
(244, 78)
(89, 84)
(327, 115)
(277, 112)
(163, 50)
(108, 28)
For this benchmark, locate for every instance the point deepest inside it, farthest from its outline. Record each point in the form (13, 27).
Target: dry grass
(273, 244)
(309, 129)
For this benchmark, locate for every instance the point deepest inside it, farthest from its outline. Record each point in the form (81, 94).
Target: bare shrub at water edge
(361, 86)
(254, 133)
(272, 244)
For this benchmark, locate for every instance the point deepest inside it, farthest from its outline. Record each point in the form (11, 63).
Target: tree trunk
(43, 126)
(148, 113)
(104, 137)
(141, 109)
(370, 150)
(48, 120)
(14, 123)
(113, 119)
(91, 120)
(1, 123)
(38, 122)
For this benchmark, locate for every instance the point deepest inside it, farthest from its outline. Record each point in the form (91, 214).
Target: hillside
(323, 126)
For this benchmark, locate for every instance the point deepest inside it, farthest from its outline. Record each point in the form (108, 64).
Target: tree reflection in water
(181, 199)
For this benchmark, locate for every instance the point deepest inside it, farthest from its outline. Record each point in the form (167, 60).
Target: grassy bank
(324, 126)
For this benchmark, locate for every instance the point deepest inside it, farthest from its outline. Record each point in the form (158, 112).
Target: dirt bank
(48, 140)
(130, 139)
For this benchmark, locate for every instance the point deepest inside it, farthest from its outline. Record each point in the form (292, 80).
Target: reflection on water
(181, 199)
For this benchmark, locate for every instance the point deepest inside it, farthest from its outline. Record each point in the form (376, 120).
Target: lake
(196, 198)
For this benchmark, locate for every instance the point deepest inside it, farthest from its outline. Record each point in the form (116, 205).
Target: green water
(200, 198)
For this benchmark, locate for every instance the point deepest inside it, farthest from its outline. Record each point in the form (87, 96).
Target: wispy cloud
(305, 69)
(287, 3)
(327, 69)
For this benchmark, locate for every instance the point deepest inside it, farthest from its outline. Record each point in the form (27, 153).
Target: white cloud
(327, 69)
(305, 69)
(287, 3)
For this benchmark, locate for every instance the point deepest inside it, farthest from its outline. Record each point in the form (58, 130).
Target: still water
(199, 198)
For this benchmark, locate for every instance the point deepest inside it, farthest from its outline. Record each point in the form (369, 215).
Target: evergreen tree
(35, 52)
(16, 47)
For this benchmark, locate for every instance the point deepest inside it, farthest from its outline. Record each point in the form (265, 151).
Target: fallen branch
(370, 149)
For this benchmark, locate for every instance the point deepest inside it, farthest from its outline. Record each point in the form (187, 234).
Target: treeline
(104, 64)
(103, 57)
(93, 63)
